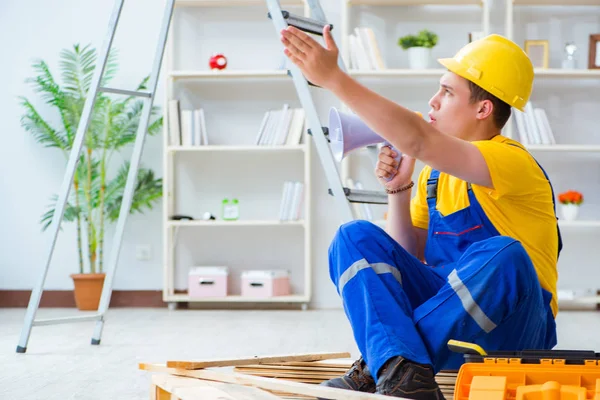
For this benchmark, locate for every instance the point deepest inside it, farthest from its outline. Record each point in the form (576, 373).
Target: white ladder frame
(148, 99)
(343, 195)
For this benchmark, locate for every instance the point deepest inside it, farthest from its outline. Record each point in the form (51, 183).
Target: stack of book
(281, 127)
(186, 127)
(533, 126)
(292, 201)
(364, 51)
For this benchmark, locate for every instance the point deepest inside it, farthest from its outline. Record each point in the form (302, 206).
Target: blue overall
(477, 286)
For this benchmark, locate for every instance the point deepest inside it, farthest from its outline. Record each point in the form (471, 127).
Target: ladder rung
(125, 92)
(364, 196)
(304, 24)
(62, 320)
(325, 132)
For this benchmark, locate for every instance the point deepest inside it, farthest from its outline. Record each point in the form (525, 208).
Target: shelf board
(567, 73)
(564, 147)
(232, 3)
(566, 3)
(202, 223)
(563, 223)
(579, 223)
(238, 299)
(231, 74)
(414, 2)
(395, 73)
(250, 148)
(435, 72)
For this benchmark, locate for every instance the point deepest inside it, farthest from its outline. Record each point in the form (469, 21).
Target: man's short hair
(502, 110)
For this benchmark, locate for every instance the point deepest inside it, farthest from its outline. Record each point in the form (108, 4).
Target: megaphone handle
(397, 158)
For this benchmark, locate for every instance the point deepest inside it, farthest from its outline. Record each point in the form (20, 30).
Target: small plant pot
(418, 57)
(569, 211)
(88, 289)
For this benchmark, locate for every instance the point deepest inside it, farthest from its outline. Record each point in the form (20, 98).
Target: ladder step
(63, 320)
(325, 132)
(364, 196)
(304, 24)
(125, 92)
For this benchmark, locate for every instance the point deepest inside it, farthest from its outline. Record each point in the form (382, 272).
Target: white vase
(569, 211)
(418, 57)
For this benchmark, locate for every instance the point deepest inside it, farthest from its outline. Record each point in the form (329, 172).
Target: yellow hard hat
(497, 65)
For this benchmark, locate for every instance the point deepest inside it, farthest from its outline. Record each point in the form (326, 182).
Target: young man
(473, 255)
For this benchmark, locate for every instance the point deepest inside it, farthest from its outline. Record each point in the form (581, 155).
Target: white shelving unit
(575, 146)
(353, 8)
(580, 235)
(197, 178)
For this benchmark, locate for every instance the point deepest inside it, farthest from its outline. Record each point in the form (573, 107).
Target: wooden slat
(289, 368)
(341, 363)
(268, 383)
(291, 373)
(197, 389)
(226, 362)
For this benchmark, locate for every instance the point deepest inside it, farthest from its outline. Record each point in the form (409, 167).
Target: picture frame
(594, 53)
(538, 52)
(475, 35)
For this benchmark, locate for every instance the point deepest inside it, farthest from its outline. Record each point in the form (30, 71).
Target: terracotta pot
(88, 289)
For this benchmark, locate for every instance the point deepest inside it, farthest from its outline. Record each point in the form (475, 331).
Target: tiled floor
(61, 364)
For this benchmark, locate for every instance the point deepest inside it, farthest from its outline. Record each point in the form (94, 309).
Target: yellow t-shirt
(519, 206)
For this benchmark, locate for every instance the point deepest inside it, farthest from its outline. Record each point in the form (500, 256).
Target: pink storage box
(208, 281)
(265, 283)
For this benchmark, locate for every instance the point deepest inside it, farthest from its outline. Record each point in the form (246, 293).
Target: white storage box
(209, 281)
(265, 283)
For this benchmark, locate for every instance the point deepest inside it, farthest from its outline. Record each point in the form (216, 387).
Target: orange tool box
(527, 375)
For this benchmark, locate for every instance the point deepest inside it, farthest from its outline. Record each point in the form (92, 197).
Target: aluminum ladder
(148, 99)
(344, 196)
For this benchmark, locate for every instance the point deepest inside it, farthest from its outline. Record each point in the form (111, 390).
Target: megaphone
(347, 133)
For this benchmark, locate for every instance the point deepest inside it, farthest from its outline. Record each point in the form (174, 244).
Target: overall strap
(432, 186)
(560, 242)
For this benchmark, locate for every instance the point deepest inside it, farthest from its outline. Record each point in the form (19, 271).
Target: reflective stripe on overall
(479, 287)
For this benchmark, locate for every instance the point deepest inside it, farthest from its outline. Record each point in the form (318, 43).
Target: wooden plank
(196, 389)
(161, 394)
(226, 362)
(338, 363)
(290, 373)
(289, 368)
(268, 383)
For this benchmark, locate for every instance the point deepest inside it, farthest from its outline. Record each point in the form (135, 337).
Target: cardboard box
(208, 281)
(265, 283)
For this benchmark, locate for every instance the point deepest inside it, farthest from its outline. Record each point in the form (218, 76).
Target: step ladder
(148, 99)
(344, 196)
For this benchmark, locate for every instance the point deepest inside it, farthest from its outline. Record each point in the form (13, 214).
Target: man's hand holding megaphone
(400, 172)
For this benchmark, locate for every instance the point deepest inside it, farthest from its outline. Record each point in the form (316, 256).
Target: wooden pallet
(262, 378)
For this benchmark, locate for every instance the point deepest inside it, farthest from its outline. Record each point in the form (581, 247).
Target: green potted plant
(419, 48)
(96, 195)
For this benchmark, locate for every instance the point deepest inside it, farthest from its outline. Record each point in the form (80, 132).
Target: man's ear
(485, 109)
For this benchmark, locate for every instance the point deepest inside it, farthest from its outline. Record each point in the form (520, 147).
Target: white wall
(32, 29)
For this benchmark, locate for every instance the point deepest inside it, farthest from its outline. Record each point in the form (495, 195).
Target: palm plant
(95, 197)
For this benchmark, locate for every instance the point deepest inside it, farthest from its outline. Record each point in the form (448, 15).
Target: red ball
(217, 61)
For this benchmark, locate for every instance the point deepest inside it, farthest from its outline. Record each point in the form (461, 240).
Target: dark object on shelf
(208, 216)
(179, 217)
(594, 53)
